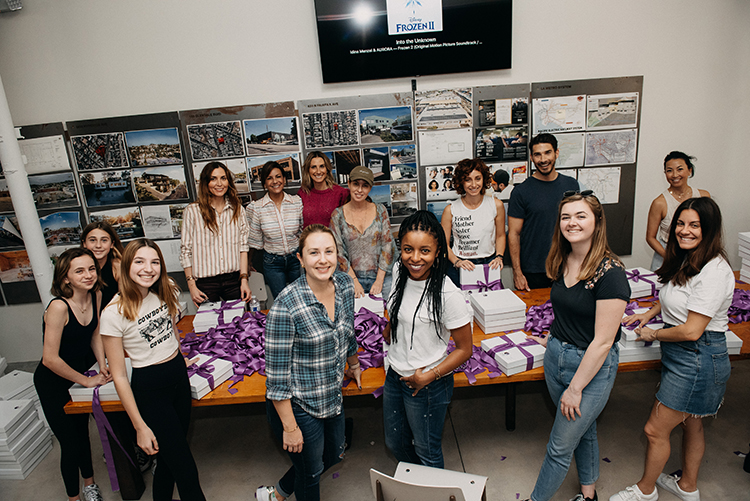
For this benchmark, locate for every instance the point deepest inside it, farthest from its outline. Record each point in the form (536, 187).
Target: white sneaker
(633, 493)
(92, 493)
(265, 493)
(669, 483)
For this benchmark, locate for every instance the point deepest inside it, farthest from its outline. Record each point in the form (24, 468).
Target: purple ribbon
(485, 286)
(368, 328)
(636, 277)
(103, 426)
(478, 362)
(739, 311)
(226, 305)
(204, 370)
(508, 343)
(539, 318)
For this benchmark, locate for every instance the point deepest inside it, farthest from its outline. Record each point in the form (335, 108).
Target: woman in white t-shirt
(695, 299)
(139, 322)
(426, 310)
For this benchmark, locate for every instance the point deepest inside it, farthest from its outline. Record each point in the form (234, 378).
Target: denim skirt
(694, 374)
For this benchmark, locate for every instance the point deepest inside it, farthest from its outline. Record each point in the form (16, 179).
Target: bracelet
(244, 275)
(355, 366)
(455, 265)
(656, 334)
(292, 430)
(436, 372)
(190, 278)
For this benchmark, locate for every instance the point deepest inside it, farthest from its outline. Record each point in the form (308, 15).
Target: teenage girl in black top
(102, 240)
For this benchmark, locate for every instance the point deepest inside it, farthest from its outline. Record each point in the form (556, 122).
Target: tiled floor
(236, 453)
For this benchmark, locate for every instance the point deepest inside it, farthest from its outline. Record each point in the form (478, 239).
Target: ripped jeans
(323, 448)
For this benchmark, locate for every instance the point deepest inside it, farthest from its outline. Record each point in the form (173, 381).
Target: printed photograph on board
(383, 125)
(381, 194)
(403, 171)
(6, 205)
(612, 110)
(55, 251)
(162, 221)
(502, 143)
(267, 136)
(236, 166)
(519, 110)
(404, 199)
(403, 154)
(155, 184)
(346, 160)
(289, 167)
(376, 159)
(15, 267)
(54, 191)
(9, 234)
(62, 228)
(125, 221)
(439, 182)
(154, 147)
(107, 188)
(100, 151)
(444, 109)
(216, 140)
(330, 128)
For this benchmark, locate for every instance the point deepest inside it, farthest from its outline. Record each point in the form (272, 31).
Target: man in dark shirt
(532, 214)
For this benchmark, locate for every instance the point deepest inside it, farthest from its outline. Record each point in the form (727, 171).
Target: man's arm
(515, 225)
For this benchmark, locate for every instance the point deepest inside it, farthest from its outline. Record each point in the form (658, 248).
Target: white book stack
(744, 239)
(374, 304)
(107, 392)
(182, 311)
(628, 337)
(734, 343)
(24, 440)
(17, 385)
(509, 357)
(641, 285)
(3, 365)
(498, 311)
(222, 370)
(206, 317)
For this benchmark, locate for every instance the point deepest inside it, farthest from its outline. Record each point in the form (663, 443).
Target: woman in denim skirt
(697, 293)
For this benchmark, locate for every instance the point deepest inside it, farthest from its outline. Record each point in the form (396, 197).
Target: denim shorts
(694, 374)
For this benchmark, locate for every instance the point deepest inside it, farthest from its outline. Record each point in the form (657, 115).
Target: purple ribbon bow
(226, 305)
(539, 318)
(508, 344)
(739, 311)
(368, 327)
(478, 362)
(485, 286)
(204, 370)
(636, 277)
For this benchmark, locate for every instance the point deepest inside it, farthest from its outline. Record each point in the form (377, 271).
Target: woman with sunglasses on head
(214, 248)
(319, 192)
(697, 293)
(101, 239)
(678, 167)
(589, 295)
(363, 235)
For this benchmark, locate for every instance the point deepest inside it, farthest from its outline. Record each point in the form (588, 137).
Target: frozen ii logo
(414, 16)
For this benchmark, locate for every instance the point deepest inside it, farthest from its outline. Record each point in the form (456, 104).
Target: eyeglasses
(584, 193)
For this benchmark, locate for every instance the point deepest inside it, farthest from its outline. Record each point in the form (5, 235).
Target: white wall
(79, 59)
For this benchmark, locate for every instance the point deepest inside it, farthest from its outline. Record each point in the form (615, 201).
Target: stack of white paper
(643, 283)
(745, 255)
(498, 311)
(18, 385)
(24, 440)
(633, 353)
(734, 343)
(222, 370)
(510, 357)
(374, 303)
(107, 392)
(206, 317)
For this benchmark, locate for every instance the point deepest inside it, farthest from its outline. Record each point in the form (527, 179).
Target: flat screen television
(376, 39)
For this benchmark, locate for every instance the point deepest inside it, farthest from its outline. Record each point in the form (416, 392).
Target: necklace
(679, 196)
(82, 309)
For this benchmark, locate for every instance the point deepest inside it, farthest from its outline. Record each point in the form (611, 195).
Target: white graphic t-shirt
(148, 339)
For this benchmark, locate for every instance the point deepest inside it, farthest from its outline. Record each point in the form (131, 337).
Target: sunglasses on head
(584, 193)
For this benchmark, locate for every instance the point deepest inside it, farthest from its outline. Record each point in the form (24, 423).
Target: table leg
(510, 406)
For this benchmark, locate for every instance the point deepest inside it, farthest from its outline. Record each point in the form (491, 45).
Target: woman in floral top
(363, 235)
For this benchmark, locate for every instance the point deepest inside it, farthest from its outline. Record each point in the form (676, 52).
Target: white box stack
(107, 392)
(206, 317)
(24, 440)
(482, 277)
(222, 370)
(734, 343)
(641, 285)
(744, 239)
(510, 358)
(3, 365)
(374, 303)
(17, 385)
(628, 337)
(498, 311)
(182, 311)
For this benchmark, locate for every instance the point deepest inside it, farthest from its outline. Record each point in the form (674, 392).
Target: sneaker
(265, 493)
(92, 493)
(633, 493)
(143, 459)
(581, 497)
(669, 483)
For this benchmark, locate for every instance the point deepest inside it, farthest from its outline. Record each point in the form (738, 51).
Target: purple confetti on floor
(606, 460)
(335, 475)
(518, 495)
(502, 458)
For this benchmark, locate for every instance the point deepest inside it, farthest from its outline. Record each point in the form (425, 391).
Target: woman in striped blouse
(275, 227)
(214, 250)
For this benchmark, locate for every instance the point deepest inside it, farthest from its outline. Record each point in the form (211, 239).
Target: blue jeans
(414, 425)
(367, 279)
(280, 270)
(323, 448)
(577, 437)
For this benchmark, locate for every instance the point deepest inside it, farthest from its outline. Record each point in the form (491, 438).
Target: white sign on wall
(414, 16)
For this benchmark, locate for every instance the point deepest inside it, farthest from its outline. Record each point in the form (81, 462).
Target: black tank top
(110, 284)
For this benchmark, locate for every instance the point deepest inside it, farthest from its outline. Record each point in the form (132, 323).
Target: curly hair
(466, 167)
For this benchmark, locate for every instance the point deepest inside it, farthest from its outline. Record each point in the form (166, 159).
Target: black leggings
(71, 430)
(162, 393)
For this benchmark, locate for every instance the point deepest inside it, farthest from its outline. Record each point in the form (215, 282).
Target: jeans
(414, 425)
(323, 448)
(280, 270)
(455, 274)
(367, 279)
(577, 437)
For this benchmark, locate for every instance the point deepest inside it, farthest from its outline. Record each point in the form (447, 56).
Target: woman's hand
(465, 264)
(245, 292)
(104, 371)
(570, 404)
(640, 318)
(293, 440)
(355, 374)
(94, 381)
(418, 380)
(359, 291)
(196, 294)
(496, 263)
(645, 334)
(377, 287)
(147, 441)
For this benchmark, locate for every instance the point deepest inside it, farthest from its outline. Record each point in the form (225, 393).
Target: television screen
(375, 39)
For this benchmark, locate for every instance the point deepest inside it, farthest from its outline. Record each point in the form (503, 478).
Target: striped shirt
(306, 351)
(209, 253)
(273, 230)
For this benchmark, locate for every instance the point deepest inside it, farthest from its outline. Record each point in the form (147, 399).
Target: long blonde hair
(204, 195)
(561, 249)
(130, 296)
